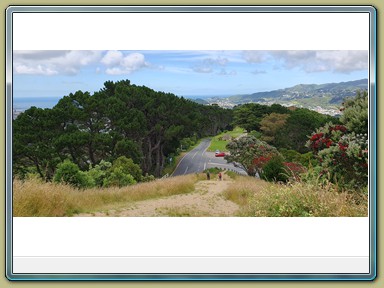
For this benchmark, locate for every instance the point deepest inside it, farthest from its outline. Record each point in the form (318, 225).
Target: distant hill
(200, 101)
(324, 95)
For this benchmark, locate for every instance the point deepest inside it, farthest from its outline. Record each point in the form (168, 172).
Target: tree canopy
(121, 119)
(355, 113)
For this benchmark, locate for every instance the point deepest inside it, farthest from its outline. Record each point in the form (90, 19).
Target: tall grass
(262, 199)
(35, 198)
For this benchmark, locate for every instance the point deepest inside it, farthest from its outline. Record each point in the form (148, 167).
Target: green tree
(120, 119)
(271, 124)
(117, 177)
(99, 172)
(355, 113)
(34, 133)
(127, 166)
(300, 123)
(84, 128)
(249, 116)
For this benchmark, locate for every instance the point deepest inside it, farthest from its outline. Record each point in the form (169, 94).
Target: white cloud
(117, 63)
(112, 58)
(53, 62)
(40, 70)
(255, 56)
(340, 61)
(207, 65)
(344, 61)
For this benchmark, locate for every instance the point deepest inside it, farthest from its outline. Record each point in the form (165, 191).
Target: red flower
(317, 136)
(343, 147)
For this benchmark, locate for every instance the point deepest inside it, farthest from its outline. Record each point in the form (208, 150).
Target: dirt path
(206, 200)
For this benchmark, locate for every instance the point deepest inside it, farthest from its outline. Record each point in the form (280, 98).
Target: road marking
(181, 160)
(195, 154)
(205, 150)
(186, 170)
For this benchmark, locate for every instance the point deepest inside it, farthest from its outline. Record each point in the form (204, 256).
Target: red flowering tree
(342, 154)
(252, 153)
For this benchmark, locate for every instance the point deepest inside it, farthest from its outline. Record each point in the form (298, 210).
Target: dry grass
(35, 198)
(181, 212)
(262, 199)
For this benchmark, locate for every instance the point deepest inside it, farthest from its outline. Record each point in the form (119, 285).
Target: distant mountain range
(312, 96)
(334, 92)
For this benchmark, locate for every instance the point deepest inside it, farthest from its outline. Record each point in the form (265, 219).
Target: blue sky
(56, 73)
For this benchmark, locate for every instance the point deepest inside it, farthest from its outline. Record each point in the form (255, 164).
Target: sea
(24, 103)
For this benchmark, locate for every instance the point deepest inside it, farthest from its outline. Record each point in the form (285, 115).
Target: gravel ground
(206, 200)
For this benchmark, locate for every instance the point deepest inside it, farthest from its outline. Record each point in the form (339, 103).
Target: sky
(56, 73)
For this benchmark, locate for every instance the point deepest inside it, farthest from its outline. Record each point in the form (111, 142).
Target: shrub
(148, 178)
(68, 172)
(274, 170)
(99, 172)
(118, 177)
(342, 155)
(128, 167)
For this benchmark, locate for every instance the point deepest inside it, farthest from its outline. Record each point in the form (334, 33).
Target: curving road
(198, 159)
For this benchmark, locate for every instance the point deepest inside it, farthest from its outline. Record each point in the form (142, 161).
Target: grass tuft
(262, 199)
(35, 198)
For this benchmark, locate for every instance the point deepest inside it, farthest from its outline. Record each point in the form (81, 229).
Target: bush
(69, 173)
(99, 172)
(117, 177)
(128, 167)
(255, 134)
(275, 170)
(343, 155)
(148, 178)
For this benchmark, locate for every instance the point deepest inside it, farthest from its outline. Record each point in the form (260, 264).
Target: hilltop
(328, 96)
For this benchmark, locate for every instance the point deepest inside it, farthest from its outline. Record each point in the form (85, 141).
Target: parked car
(217, 152)
(220, 154)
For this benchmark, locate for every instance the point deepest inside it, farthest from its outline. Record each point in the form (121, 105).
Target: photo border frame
(196, 9)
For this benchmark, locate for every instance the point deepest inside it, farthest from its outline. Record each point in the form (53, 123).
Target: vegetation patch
(261, 199)
(33, 197)
(220, 141)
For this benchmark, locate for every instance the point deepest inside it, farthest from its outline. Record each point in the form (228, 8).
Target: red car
(220, 154)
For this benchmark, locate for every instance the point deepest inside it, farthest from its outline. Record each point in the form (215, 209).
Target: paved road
(198, 159)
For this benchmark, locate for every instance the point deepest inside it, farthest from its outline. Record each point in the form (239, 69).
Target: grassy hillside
(219, 142)
(263, 199)
(37, 198)
(254, 197)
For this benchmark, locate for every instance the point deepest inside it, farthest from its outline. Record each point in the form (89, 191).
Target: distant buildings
(16, 113)
(226, 103)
